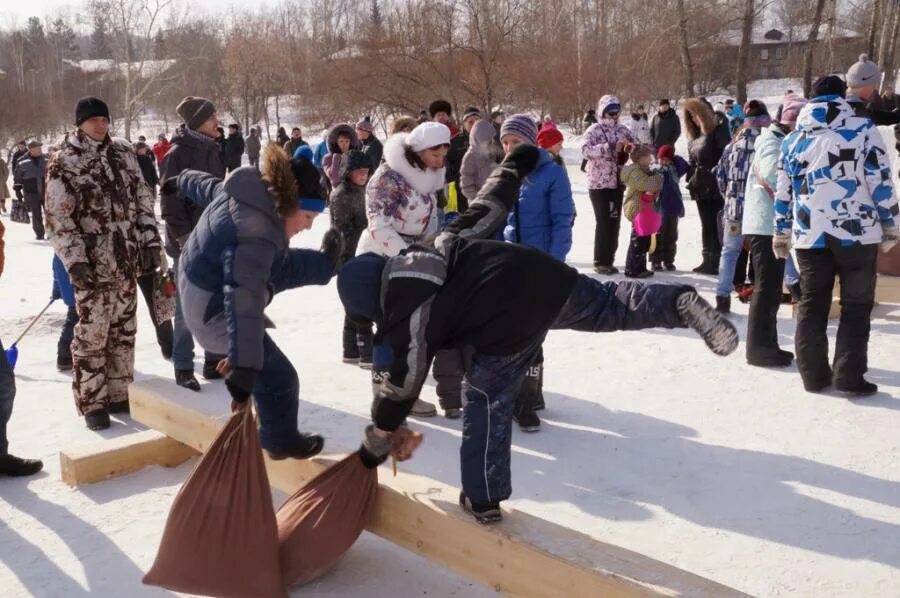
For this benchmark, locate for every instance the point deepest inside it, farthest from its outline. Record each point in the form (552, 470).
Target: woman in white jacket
(402, 209)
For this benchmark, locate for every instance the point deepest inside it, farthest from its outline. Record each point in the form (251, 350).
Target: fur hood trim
(423, 181)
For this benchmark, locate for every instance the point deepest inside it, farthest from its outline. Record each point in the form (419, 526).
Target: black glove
(240, 384)
(374, 449)
(82, 276)
(18, 189)
(333, 248)
(523, 159)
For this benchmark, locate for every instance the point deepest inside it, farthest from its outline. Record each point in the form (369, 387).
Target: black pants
(64, 345)
(163, 329)
(35, 207)
(666, 241)
(762, 324)
(449, 367)
(357, 340)
(855, 265)
(607, 205)
(636, 262)
(708, 208)
(531, 393)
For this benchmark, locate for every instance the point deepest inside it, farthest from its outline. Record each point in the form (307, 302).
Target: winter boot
(423, 409)
(657, 267)
(64, 363)
(186, 379)
(524, 413)
(670, 267)
(719, 334)
(309, 445)
(641, 274)
(364, 345)
(723, 305)
(453, 413)
(710, 265)
(210, 371)
(528, 420)
(351, 348)
(18, 467)
(796, 293)
(97, 420)
(482, 512)
(164, 339)
(606, 270)
(863, 389)
(120, 407)
(779, 358)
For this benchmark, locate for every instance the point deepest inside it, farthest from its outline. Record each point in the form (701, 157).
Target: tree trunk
(873, 27)
(686, 50)
(744, 50)
(888, 65)
(277, 113)
(811, 41)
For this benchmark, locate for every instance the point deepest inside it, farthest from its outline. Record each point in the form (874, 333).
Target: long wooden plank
(119, 456)
(522, 556)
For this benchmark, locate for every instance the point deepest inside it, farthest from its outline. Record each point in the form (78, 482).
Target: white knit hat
(428, 134)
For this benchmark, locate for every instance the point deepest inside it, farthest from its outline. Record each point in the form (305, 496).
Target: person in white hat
(863, 79)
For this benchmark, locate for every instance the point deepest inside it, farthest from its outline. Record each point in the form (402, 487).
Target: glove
(890, 237)
(18, 189)
(781, 245)
(150, 259)
(333, 248)
(374, 449)
(523, 159)
(82, 276)
(240, 383)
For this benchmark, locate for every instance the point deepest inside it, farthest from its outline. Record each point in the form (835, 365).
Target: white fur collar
(423, 181)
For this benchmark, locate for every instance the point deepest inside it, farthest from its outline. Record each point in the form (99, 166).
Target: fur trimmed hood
(708, 118)
(341, 129)
(423, 181)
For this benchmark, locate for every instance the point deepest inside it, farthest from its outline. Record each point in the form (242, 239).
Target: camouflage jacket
(99, 209)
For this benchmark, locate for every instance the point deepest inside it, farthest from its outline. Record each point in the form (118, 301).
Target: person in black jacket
(147, 164)
(863, 78)
(704, 150)
(233, 148)
(500, 299)
(371, 146)
(195, 147)
(665, 128)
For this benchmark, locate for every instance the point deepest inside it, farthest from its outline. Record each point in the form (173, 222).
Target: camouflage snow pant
(103, 349)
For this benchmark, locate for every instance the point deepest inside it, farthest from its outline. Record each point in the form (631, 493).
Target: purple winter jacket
(599, 148)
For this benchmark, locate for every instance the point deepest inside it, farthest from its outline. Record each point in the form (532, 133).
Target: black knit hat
(755, 108)
(471, 111)
(309, 185)
(195, 111)
(90, 107)
(829, 85)
(440, 106)
(354, 160)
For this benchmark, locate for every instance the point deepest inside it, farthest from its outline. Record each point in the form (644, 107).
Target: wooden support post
(119, 456)
(522, 556)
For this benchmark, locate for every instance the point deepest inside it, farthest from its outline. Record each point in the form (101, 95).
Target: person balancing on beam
(501, 299)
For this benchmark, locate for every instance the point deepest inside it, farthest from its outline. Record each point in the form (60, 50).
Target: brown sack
(323, 519)
(220, 537)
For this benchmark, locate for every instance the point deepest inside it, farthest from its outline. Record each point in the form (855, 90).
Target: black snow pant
(35, 208)
(449, 367)
(607, 205)
(163, 329)
(64, 345)
(762, 324)
(531, 393)
(666, 241)
(708, 208)
(855, 265)
(636, 261)
(357, 341)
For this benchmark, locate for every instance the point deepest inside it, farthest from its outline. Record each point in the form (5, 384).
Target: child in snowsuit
(641, 193)
(341, 139)
(479, 160)
(348, 216)
(501, 299)
(672, 168)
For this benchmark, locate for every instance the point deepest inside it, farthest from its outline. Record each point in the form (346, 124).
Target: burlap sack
(220, 537)
(323, 519)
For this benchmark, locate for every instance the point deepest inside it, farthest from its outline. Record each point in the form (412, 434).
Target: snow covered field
(649, 442)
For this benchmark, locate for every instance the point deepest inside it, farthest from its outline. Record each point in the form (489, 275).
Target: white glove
(890, 237)
(781, 245)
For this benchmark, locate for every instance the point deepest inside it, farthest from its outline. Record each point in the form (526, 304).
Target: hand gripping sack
(220, 538)
(323, 519)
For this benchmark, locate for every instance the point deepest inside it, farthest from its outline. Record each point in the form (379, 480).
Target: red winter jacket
(160, 149)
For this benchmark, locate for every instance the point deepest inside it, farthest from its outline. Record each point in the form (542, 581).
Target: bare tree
(811, 42)
(686, 62)
(744, 49)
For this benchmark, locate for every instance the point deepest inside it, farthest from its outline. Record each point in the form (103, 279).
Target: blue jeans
(732, 244)
(277, 395)
(7, 396)
(182, 341)
(791, 275)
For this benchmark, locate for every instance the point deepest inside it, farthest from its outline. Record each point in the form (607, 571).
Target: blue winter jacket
(670, 196)
(545, 212)
(62, 286)
(235, 260)
(320, 153)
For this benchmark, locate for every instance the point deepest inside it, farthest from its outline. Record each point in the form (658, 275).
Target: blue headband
(311, 204)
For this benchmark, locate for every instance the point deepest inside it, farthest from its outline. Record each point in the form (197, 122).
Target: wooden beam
(887, 289)
(522, 556)
(119, 456)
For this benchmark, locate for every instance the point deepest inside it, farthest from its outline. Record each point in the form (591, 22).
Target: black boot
(779, 358)
(723, 305)
(186, 379)
(719, 334)
(17, 467)
(309, 445)
(524, 413)
(120, 407)
(482, 512)
(710, 265)
(210, 371)
(863, 389)
(164, 339)
(351, 347)
(97, 420)
(364, 344)
(64, 363)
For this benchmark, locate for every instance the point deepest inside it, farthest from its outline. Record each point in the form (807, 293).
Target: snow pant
(636, 261)
(762, 324)
(448, 369)
(531, 393)
(254, 161)
(357, 340)
(103, 349)
(7, 396)
(607, 205)
(666, 241)
(182, 341)
(493, 381)
(855, 265)
(35, 206)
(277, 395)
(732, 245)
(163, 329)
(64, 345)
(708, 209)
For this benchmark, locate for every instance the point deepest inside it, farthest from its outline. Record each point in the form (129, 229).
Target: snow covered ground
(649, 442)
